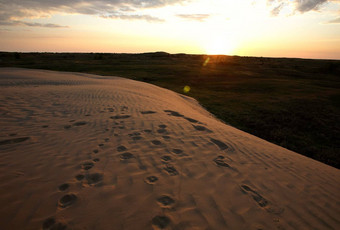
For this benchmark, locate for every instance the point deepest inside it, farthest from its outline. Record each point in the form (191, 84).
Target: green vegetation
(291, 102)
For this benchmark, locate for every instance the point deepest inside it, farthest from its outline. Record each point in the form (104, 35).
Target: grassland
(294, 103)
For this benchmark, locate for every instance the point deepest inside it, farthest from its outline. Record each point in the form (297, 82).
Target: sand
(80, 151)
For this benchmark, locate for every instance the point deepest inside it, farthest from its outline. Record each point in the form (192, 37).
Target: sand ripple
(81, 151)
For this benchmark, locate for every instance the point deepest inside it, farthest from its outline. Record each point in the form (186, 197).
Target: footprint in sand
(171, 170)
(135, 136)
(201, 128)
(219, 143)
(220, 162)
(95, 151)
(151, 179)
(126, 156)
(262, 202)
(161, 131)
(87, 165)
(123, 108)
(67, 126)
(67, 200)
(94, 178)
(192, 120)
(120, 117)
(64, 186)
(165, 201)
(162, 126)
(147, 130)
(161, 222)
(147, 112)
(80, 123)
(166, 158)
(156, 142)
(96, 159)
(80, 177)
(121, 148)
(173, 113)
(177, 114)
(177, 151)
(51, 224)
(165, 137)
(14, 140)
(44, 126)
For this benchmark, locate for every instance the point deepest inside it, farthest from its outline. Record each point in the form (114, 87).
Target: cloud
(46, 25)
(277, 9)
(14, 11)
(195, 17)
(307, 5)
(334, 21)
(133, 17)
(35, 24)
(301, 6)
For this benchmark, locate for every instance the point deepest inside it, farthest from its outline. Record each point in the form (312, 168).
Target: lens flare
(206, 61)
(186, 89)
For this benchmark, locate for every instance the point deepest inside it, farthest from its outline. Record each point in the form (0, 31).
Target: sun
(219, 45)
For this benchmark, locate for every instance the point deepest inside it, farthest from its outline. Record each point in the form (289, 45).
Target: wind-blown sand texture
(80, 151)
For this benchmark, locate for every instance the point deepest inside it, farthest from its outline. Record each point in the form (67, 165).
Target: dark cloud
(12, 11)
(301, 6)
(196, 17)
(307, 5)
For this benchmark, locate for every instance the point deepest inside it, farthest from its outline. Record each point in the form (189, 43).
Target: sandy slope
(90, 152)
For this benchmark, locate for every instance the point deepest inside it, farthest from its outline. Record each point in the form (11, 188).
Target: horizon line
(153, 52)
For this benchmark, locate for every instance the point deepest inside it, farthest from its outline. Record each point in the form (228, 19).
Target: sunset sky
(274, 28)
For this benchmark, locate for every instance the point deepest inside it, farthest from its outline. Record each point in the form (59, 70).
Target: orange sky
(275, 28)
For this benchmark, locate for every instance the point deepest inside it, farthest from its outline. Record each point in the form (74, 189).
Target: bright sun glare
(219, 45)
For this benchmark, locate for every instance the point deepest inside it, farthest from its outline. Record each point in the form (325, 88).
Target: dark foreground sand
(82, 151)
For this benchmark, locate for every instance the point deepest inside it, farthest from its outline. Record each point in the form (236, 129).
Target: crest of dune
(80, 151)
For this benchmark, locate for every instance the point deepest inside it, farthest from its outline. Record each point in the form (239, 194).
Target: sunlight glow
(220, 45)
(247, 27)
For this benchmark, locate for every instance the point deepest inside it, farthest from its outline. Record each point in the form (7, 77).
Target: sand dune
(80, 151)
